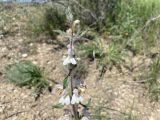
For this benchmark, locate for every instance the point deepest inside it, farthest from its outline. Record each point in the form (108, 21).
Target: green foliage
(58, 106)
(130, 18)
(25, 73)
(97, 12)
(92, 50)
(154, 80)
(114, 55)
(55, 19)
(118, 17)
(65, 83)
(47, 19)
(106, 54)
(36, 22)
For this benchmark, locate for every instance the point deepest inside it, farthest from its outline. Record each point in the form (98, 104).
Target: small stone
(20, 40)
(31, 44)
(151, 118)
(35, 62)
(4, 49)
(1, 36)
(24, 55)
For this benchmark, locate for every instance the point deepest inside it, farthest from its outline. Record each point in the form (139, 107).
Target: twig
(14, 114)
(111, 109)
(54, 81)
(85, 9)
(150, 21)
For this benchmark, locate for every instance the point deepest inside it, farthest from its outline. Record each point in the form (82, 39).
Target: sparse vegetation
(26, 73)
(119, 46)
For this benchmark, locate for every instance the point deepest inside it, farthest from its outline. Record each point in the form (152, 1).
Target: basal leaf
(58, 106)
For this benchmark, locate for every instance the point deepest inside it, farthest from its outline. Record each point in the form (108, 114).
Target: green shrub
(94, 12)
(25, 73)
(131, 16)
(114, 55)
(54, 19)
(106, 55)
(46, 19)
(92, 50)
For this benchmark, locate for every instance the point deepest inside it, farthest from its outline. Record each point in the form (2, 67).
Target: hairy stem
(74, 107)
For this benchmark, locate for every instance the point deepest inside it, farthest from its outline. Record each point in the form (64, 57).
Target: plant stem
(74, 107)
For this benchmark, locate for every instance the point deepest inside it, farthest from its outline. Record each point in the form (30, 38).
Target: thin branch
(150, 21)
(85, 9)
(16, 113)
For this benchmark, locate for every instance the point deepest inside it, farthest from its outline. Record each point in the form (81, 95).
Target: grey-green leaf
(58, 106)
(65, 83)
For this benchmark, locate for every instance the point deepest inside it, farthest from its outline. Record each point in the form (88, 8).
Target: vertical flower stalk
(71, 93)
(73, 61)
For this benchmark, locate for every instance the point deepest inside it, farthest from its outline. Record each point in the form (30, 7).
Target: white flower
(69, 60)
(69, 31)
(76, 22)
(85, 118)
(64, 100)
(76, 98)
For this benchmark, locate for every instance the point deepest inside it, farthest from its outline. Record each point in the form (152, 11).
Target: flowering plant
(71, 95)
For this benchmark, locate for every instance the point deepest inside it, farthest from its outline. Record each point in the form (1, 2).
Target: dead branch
(16, 113)
(150, 21)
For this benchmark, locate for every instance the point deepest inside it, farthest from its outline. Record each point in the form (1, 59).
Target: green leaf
(58, 106)
(25, 73)
(89, 103)
(65, 83)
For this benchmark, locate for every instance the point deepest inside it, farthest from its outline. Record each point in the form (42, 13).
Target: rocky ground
(117, 95)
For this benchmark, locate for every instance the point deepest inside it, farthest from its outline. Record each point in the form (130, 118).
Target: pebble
(4, 49)
(151, 118)
(31, 44)
(35, 62)
(24, 55)
(2, 107)
(1, 36)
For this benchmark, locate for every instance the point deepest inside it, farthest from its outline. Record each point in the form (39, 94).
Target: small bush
(25, 73)
(131, 16)
(98, 49)
(93, 12)
(107, 55)
(114, 55)
(54, 19)
(92, 50)
(47, 19)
